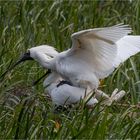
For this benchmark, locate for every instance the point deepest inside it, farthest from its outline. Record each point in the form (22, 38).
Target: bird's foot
(64, 82)
(108, 100)
(117, 96)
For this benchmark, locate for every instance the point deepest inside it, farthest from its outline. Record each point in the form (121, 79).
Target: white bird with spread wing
(94, 54)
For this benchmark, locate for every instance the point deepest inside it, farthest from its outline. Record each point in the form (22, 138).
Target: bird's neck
(45, 60)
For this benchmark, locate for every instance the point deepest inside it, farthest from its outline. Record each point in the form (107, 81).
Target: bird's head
(43, 49)
(33, 54)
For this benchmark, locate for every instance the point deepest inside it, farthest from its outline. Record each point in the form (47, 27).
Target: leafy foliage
(25, 111)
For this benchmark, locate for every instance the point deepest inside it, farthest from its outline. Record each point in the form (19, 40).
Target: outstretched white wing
(127, 46)
(97, 48)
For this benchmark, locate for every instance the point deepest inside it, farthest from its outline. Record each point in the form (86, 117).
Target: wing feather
(99, 45)
(127, 46)
(107, 34)
(97, 52)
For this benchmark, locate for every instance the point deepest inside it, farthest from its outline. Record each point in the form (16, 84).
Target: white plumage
(127, 46)
(94, 54)
(66, 94)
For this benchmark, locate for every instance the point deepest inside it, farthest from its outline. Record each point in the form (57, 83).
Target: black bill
(25, 57)
(37, 81)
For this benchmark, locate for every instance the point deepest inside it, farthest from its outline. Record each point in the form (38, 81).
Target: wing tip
(123, 27)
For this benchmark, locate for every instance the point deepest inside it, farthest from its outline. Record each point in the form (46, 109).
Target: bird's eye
(28, 52)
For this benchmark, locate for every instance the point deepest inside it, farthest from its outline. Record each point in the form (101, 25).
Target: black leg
(64, 82)
(48, 72)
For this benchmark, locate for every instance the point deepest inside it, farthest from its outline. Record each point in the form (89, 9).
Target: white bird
(66, 94)
(94, 54)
